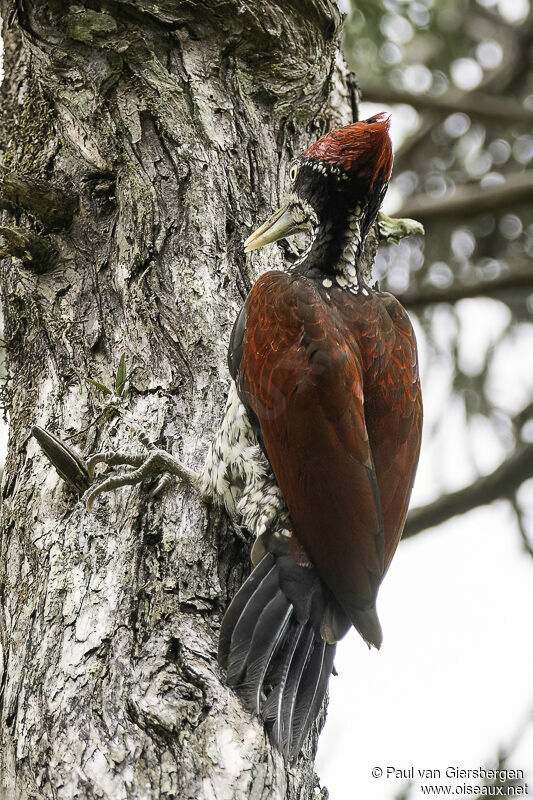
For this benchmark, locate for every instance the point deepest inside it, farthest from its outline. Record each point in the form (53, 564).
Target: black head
(341, 178)
(346, 168)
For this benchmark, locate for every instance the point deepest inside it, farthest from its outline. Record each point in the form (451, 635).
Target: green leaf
(120, 380)
(100, 386)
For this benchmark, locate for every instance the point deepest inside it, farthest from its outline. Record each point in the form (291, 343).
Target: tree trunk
(142, 142)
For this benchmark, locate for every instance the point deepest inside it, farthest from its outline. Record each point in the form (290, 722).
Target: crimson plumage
(362, 147)
(334, 386)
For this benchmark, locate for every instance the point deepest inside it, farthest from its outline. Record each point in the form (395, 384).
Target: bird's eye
(293, 172)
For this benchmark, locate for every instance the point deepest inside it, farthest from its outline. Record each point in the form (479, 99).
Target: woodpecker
(320, 439)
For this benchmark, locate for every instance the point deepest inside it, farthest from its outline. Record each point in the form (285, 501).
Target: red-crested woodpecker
(319, 444)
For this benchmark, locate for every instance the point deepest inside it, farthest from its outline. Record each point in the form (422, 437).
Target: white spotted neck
(346, 273)
(345, 270)
(337, 254)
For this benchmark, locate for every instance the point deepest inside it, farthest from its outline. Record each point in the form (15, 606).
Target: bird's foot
(146, 466)
(393, 229)
(79, 473)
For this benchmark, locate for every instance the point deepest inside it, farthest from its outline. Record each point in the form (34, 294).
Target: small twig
(523, 417)
(454, 293)
(475, 104)
(469, 201)
(503, 482)
(88, 427)
(528, 547)
(354, 93)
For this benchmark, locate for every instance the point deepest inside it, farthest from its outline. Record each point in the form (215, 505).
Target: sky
(453, 682)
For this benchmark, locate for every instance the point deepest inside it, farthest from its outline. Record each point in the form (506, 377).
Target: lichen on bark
(172, 123)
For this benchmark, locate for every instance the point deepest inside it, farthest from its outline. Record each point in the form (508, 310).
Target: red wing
(393, 404)
(303, 381)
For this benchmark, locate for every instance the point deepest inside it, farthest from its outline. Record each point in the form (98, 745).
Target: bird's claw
(393, 229)
(112, 459)
(161, 485)
(156, 462)
(79, 473)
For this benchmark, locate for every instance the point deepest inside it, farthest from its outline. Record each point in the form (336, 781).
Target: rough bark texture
(163, 130)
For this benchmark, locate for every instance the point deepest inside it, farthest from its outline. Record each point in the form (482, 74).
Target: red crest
(363, 148)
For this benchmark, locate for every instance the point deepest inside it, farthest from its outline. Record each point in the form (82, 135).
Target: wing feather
(303, 381)
(332, 387)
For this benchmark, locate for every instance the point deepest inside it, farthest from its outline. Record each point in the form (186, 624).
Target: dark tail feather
(272, 711)
(236, 607)
(267, 638)
(311, 693)
(278, 677)
(274, 654)
(299, 663)
(243, 631)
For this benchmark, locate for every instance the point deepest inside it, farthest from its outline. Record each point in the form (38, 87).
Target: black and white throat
(333, 254)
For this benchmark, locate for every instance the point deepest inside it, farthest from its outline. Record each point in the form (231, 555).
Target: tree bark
(148, 138)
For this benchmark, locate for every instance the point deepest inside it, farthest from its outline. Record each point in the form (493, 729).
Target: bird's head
(341, 176)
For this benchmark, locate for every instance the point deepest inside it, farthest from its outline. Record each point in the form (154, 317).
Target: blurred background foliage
(457, 77)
